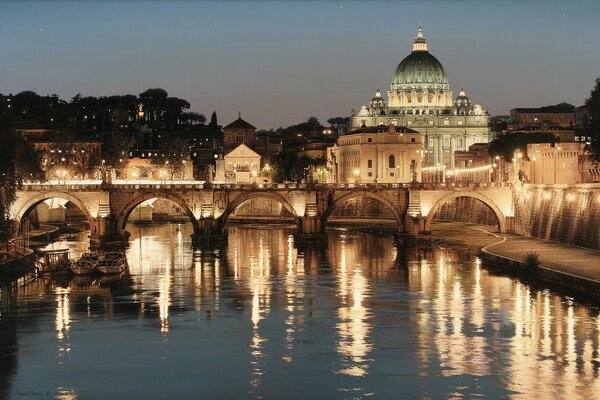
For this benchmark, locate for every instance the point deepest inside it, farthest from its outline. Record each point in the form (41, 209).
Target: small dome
(462, 99)
(377, 102)
(420, 67)
(462, 104)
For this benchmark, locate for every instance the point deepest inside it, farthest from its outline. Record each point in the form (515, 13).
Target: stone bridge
(208, 206)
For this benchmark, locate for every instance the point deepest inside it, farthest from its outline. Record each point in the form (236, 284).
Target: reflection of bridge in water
(107, 206)
(448, 314)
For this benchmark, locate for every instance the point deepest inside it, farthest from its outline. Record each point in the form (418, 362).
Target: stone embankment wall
(565, 213)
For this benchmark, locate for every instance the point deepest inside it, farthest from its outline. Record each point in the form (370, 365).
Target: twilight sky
(280, 62)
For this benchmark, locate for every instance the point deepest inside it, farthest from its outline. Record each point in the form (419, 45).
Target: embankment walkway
(557, 257)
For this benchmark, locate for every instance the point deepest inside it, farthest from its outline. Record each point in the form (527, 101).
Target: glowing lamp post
(356, 173)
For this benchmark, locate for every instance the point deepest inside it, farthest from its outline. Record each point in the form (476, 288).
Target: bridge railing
(198, 185)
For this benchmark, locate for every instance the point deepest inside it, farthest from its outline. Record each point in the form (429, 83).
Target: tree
(69, 155)
(290, 167)
(338, 121)
(174, 154)
(593, 104)
(506, 145)
(213, 120)
(18, 162)
(190, 117)
(115, 152)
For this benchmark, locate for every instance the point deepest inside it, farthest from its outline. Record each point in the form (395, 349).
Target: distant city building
(379, 154)
(267, 145)
(238, 132)
(141, 167)
(6, 104)
(317, 147)
(560, 163)
(241, 165)
(420, 98)
(78, 159)
(564, 134)
(582, 116)
(562, 115)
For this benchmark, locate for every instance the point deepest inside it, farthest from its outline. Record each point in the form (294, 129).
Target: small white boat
(87, 264)
(112, 263)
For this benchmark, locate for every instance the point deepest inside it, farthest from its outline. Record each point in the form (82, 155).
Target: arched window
(392, 161)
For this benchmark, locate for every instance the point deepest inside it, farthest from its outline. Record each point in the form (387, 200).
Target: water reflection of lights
(63, 313)
(66, 394)
(164, 299)
(260, 288)
(353, 327)
(62, 322)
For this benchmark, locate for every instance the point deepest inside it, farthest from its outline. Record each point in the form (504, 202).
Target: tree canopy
(18, 162)
(291, 167)
(593, 104)
(172, 159)
(506, 145)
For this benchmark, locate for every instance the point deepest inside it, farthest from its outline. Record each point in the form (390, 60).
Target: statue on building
(311, 173)
(209, 173)
(413, 171)
(220, 169)
(332, 167)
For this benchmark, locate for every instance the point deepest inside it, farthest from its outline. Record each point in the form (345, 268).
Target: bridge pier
(413, 225)
(105, 230)
(209, 231)
(310, 230)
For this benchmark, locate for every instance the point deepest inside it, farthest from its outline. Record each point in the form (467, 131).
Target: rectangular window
(369, 140)
(413, 140)
(460, 122)
(369, 163)
(370, 174)
(391, 174)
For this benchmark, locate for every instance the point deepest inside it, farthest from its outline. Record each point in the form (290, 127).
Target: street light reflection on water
(267, 318)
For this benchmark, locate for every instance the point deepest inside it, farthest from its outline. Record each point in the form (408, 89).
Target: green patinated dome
(420, 67)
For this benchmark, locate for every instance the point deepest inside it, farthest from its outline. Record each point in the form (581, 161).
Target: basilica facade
(420, 98)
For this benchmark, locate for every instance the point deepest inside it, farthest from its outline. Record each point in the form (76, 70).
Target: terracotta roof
(240, 124)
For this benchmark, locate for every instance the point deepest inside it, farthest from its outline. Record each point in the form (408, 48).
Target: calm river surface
(261, 318)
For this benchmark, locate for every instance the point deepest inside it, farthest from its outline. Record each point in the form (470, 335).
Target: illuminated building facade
(241, 165)
(420, 98)
(377, 154)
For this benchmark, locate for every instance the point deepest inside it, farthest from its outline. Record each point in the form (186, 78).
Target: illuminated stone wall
(568, 214)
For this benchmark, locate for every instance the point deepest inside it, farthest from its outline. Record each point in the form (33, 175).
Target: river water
(263, 318)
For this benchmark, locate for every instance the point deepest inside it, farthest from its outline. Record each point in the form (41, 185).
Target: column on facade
(380, 163)
(452, 139)
(436, 149)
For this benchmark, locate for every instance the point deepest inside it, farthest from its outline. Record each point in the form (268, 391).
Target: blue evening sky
(281, 62)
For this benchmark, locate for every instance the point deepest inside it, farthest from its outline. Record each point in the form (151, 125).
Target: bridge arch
(25, 207)
(348, 196)
(125, 212)
(501, 219)
(241, 199)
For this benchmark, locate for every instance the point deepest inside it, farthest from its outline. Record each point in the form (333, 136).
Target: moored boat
(112, 263)
(87, 264)
(54, 262)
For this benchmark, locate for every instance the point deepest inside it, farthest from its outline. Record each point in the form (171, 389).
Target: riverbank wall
(556, 280)
(567, 214)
